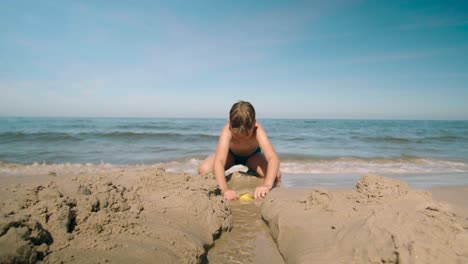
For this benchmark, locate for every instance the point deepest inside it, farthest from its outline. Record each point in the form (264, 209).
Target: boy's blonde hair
(242, 117)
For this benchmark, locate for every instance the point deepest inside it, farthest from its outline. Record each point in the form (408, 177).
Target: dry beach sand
(381, 220)
(91, 214)
(141, 214)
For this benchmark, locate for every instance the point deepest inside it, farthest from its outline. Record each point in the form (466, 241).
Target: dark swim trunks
(243, 159)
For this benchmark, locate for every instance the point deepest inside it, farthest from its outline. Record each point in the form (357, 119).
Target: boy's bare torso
(244, 145)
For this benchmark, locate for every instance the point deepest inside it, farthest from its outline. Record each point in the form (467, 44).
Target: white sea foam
(190, 166)
(344, 166)
(316, 166)
(362, 166)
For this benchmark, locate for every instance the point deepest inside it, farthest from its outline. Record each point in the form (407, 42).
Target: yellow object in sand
(246, 197)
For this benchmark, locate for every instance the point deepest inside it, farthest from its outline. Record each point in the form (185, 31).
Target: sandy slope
(381, 220)
(83, 214)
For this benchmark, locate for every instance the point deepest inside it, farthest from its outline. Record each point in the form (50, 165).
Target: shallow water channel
(249, 240)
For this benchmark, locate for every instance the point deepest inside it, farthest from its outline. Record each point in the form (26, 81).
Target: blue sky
(291, 59)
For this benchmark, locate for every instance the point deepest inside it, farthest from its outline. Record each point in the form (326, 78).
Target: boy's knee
(202, 169)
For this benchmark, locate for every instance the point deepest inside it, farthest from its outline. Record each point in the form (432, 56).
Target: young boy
(243, 141)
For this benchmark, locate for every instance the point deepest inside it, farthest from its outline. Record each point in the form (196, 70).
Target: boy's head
(242, 118)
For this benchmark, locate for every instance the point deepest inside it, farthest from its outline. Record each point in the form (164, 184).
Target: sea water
(312, 152)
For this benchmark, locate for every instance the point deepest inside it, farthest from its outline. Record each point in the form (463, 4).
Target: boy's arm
(220, 162)
(270, 156)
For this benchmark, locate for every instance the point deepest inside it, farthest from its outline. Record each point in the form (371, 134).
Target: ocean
(313, 152)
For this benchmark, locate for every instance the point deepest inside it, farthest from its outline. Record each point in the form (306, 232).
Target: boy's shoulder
(226, 129)
(258, 125)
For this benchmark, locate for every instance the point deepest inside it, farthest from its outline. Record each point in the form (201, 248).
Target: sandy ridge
(118, 215)
(382, 220)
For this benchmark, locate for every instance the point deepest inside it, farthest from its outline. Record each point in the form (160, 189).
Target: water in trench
(249, 240)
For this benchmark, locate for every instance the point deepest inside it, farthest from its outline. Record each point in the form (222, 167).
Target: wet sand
(249, 240)
(455, 195)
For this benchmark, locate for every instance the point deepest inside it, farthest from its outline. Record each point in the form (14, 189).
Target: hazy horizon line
(259, 118)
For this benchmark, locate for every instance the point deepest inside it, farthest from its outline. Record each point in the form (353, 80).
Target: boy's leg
(208, 163)
(259, 164)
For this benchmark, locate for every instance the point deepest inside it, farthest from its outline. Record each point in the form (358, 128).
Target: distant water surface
(313, 152)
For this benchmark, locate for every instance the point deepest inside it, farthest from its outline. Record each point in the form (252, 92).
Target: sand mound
(379, 189)
(243, 182)
(381, 220)
(22, 240)
(117, 215)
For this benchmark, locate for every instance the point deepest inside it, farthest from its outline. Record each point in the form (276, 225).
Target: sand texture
(381, 220)
(249, 241)
(92, 214)
(140, 214)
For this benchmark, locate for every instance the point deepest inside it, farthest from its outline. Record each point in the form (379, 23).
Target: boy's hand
(261, 191)
(230, 195)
